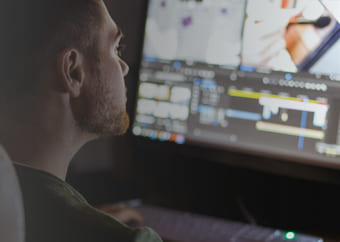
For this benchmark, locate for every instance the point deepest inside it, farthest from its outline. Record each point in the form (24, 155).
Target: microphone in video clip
(319, 23)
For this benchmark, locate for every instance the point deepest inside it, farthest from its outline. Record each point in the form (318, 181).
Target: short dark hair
(32, 31)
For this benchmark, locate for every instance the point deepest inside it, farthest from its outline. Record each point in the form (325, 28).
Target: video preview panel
(281, 35)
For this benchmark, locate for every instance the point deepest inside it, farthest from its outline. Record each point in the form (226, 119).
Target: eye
(119, 49)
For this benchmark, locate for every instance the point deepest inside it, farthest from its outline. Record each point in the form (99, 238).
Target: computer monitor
(258, 76)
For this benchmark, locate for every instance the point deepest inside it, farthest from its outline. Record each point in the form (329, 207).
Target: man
(62, 85)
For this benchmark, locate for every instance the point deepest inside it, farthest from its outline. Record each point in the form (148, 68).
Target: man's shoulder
(57, 212)
(146, 234)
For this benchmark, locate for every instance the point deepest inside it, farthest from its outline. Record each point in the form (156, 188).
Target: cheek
(115, 83)
(113, 68)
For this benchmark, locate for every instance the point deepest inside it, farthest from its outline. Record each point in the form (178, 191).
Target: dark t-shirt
(56, 212)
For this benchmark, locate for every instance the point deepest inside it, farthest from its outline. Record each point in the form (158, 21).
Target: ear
(72, 69)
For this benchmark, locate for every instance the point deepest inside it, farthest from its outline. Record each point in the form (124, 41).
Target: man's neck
(46, 141)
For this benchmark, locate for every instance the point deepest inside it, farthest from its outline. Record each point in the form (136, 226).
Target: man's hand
(264, 43)
(123, 214)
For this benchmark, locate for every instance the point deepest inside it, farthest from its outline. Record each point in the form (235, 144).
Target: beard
(96, 112)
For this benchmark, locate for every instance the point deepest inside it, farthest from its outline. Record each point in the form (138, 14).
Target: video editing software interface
(260, 75)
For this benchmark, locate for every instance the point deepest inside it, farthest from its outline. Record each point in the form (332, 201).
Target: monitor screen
(259, 76)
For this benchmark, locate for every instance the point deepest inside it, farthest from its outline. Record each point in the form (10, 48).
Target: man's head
(69, 47)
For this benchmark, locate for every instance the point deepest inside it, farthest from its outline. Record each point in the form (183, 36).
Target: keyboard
(187, 227)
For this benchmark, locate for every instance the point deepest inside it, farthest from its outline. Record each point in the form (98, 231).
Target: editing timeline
(182, 102)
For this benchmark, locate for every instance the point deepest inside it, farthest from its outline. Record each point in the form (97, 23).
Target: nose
(125, 67)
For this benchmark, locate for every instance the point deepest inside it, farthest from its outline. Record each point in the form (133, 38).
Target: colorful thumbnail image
(163, 101)
(291, 35)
